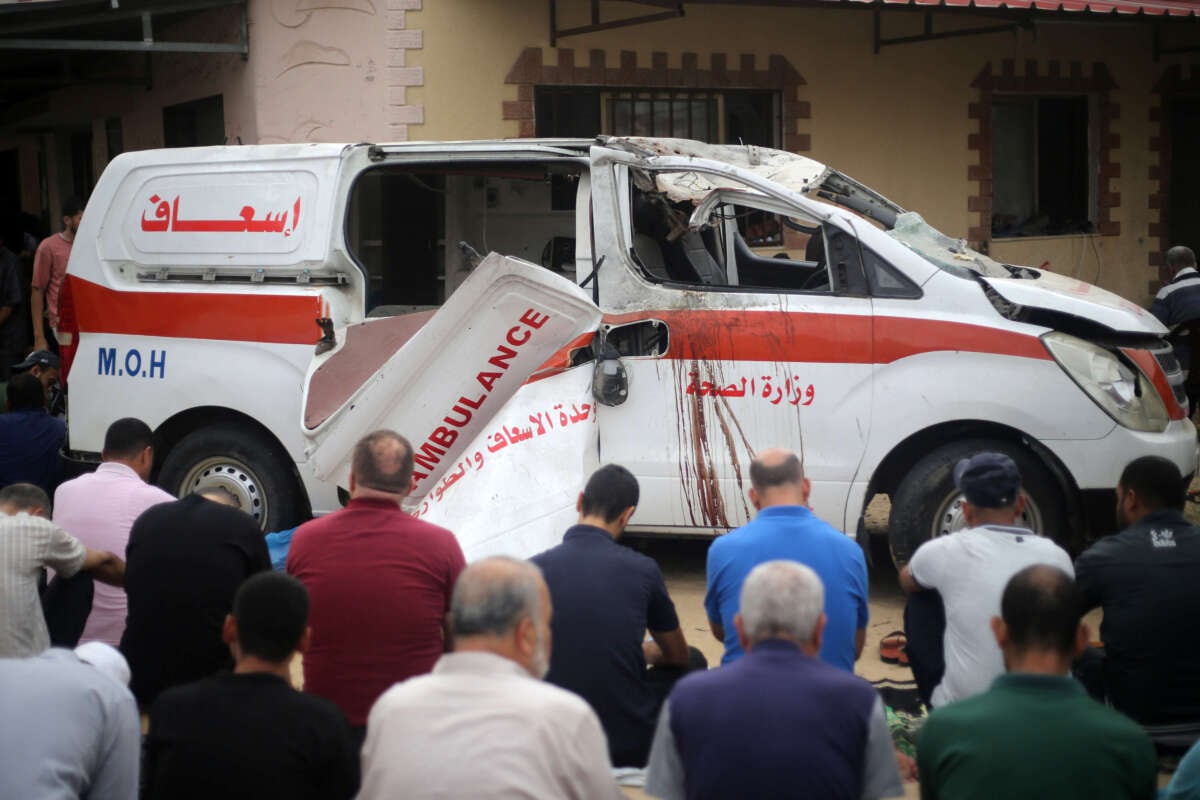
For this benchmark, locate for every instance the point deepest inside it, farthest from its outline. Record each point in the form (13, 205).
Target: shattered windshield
(949, 254)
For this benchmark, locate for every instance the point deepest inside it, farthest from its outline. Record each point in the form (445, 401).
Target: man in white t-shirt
(970, 568)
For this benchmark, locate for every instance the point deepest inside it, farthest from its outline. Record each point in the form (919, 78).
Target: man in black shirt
(184, 561)
(1146, 580)
(605, 599)
(249, 734)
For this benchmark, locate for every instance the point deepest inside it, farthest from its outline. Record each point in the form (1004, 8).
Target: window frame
(1092, 150)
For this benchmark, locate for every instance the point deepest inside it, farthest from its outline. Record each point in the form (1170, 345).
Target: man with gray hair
(483, 724)
(778, 717)
(1177, 305)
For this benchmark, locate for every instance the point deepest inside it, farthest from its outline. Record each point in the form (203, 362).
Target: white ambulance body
(658, 333)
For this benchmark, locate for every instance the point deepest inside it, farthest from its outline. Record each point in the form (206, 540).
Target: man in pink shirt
(49, 271)
(99, 509)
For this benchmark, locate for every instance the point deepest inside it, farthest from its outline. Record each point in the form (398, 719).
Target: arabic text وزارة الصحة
(789, 389)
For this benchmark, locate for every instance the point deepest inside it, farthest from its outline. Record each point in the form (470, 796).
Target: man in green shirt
(1035, 733)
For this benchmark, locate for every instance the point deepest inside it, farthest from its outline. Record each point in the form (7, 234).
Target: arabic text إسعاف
(167, 218)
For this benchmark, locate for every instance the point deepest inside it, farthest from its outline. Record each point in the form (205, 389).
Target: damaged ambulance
(263, 307)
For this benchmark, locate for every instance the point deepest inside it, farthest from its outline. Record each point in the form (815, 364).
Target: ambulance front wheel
(927, 503)
(244, 463)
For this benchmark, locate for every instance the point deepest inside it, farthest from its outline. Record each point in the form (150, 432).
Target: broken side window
(418, 231)
(719, 242)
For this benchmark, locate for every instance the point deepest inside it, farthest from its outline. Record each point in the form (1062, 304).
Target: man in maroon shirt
(380, 583)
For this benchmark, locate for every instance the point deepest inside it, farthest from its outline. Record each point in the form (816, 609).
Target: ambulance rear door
(492, 390)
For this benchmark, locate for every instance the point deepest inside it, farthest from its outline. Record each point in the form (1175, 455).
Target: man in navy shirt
(1177, 305)
(605, 598)
(29, 437)
(778, 722)
(1145, 580)
(786, 529)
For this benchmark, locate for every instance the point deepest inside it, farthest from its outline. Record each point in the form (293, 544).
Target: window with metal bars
(748, 117)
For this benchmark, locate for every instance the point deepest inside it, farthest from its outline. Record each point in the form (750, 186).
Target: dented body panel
(657, 258)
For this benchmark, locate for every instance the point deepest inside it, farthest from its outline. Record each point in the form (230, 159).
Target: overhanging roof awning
(51, 44)
(1149, 8)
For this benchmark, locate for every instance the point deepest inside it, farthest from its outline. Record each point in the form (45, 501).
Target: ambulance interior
(417, 231)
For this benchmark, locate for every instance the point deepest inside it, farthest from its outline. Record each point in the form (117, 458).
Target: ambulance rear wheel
(927, 504)
(244, 463)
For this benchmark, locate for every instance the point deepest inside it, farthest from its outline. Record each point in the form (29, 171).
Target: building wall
(904, 121)
(911, 121)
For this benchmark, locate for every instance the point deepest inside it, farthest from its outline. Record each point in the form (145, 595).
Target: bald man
(484, 724)
(380, 582)
(786, 529)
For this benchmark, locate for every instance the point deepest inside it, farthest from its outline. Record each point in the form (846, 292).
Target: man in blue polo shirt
(606, 597)
(786, 529)
(778, 723)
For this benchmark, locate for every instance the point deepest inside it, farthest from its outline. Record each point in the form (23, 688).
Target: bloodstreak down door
(719, 370)
(500, 424)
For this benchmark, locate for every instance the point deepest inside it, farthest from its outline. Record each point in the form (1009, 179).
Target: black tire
(924, 504)
(244, 461)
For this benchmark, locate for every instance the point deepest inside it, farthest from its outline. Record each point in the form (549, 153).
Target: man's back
(380, 583)
(774, 719)
(29, 445)
(605, 598)
(1034, 736)
(248, 736)
(969, 569)
(1145, 578)
(792, 533)
(69, 731)
(29, 544)
(183, 564)
(480, 726)
(99, 509)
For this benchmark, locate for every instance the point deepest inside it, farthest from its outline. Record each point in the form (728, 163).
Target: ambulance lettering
(429, 453)
(133, 364)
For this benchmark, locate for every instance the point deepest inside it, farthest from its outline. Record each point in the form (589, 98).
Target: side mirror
(610, 383)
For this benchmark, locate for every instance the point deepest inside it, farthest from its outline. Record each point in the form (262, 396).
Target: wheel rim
(233, 476)
(949, 517)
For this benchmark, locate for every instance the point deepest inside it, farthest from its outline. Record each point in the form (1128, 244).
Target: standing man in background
(49, 270)
(1177, 305)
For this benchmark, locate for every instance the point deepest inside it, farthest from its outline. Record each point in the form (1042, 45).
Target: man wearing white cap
(71, 727)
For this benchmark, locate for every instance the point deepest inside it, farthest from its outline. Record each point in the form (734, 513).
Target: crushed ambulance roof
(789, 170)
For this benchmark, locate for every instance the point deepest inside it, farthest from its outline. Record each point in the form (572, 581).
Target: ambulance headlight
(1121, 390)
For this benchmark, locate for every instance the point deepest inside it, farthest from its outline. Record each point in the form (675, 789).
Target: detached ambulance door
(491, 394)
(728, 351)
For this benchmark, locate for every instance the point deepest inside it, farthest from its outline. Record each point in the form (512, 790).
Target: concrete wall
(911, 121)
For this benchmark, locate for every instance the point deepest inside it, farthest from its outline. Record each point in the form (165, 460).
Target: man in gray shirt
(71, 729)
